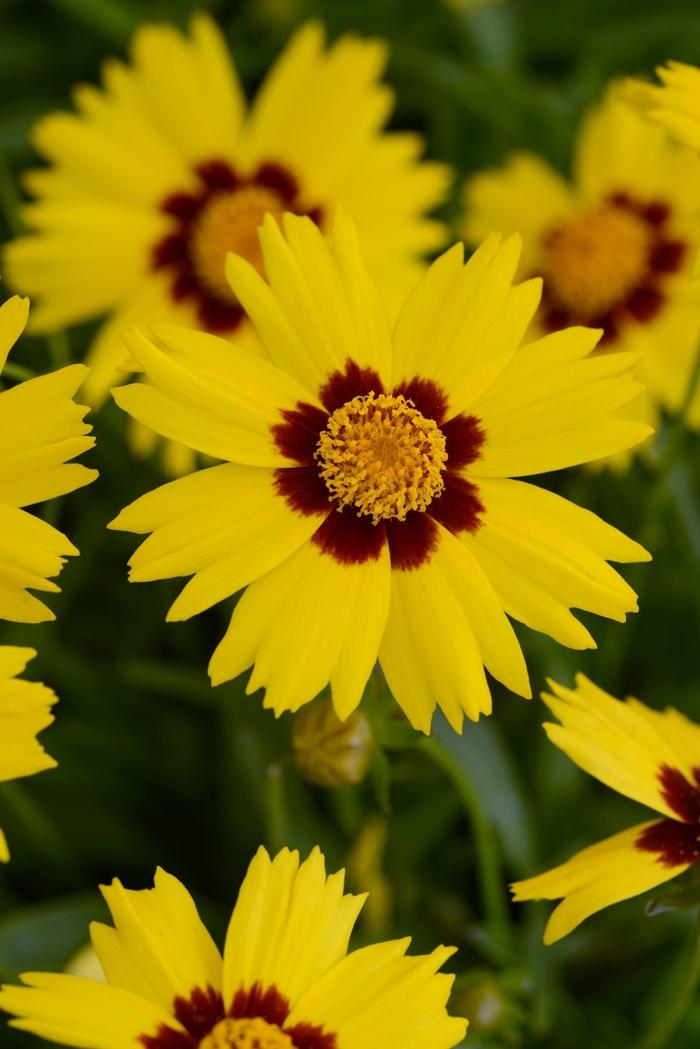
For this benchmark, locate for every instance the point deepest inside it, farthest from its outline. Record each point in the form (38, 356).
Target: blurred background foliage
(157, 768)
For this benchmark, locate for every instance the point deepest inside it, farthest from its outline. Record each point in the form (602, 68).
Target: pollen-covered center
(595, 260)
(229, 222)
(253, 1033)
(381, 456)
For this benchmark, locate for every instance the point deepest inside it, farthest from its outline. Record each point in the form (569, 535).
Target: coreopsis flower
(648, 755)
(162, 171)
(366, 501)
(25, 709)
(615, 244)
(41, 429)
(286, 980)
(674, 104)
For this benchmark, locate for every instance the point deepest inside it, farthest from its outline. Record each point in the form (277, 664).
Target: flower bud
(482, 1000)
(327, 751)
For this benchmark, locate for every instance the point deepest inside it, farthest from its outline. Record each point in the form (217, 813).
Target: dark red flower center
(223, 215)
(382, 466)
(677, 841)
(608, 265)
(256, 1019)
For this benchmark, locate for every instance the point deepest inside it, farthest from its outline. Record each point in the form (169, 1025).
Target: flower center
(380, 455)
(595, 260)
(229, 221)
(246, 1034)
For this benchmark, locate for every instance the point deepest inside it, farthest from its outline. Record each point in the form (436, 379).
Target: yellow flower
(164, 169)
(366, 502)
(286, 980)
(675, 105)
(648, 755)
(25, 709)
(615, 244)
(41, 428)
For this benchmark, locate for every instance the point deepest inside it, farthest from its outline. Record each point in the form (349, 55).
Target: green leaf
(483, 756)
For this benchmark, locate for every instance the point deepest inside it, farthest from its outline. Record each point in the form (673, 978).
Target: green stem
(19, 372)
(672, 1013)
(274, 808)
(487, 851)
(59, 349)
(38, 829)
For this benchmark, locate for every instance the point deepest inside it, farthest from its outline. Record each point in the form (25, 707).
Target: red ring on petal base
(645, 300)
(203, 1010)
(198, 1014)
(351, 538)
(675, 843)
(217, 309)
(680, 795)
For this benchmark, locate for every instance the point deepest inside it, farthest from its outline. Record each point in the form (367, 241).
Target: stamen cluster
(381, 456)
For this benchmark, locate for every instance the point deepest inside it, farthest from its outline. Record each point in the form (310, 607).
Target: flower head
(25, 709)
(614, 245)
(286, 980)
(41, 429)
(366, 502)
(648, 755)
(164, 169)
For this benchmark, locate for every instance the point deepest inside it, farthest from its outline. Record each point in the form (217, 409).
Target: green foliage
(155, 767)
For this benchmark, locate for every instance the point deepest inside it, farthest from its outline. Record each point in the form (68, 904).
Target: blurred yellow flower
(648, 755)
(366, 502)
(615, 245)
(164, 169)
(675, 104)
(25, 709)
(41, 428)
(286, 980)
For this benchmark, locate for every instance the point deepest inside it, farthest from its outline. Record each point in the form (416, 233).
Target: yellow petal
(613, 870)
(25, 710)
(199, 103)
(318, 109)
(429, 653)
(13, 319)
(617, 146)
(524, 196)
(544, 556)
(321, 308)
(41, 428)
(31, 552)
(298, 626)
(378, 996)
(625, 745)
(226, 526)
(462, 324)
(554, 406)
(290, 925)
(108, 357)
(209, 394)
(73, 1010)
(160, 948)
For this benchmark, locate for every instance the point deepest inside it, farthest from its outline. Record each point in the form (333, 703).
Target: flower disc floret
(595, 259)
(380, 455)
(254, 1033)
(229, 222)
